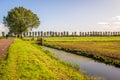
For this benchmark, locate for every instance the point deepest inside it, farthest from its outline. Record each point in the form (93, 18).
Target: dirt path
(4, 45)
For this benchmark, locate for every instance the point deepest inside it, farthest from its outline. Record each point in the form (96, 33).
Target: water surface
(88, 66)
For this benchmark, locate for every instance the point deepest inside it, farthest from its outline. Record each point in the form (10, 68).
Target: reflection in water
(89, 66)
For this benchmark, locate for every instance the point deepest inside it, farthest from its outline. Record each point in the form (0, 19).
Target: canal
(88, 66)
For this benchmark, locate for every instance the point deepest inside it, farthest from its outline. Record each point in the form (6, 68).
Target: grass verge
(27, 62)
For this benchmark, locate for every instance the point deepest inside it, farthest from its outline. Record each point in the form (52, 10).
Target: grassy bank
(104, 49)
(28, 62)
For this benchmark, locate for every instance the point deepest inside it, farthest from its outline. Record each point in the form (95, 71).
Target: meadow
(108, 47)
(78, 39)
(26, 61)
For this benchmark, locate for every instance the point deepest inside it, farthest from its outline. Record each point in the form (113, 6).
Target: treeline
(65, 34)
(69, 34)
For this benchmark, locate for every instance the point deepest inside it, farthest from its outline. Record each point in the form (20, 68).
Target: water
(89, 66)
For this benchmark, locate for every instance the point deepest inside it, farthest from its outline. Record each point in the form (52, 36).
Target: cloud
(103, 23)
(112, 25)
(3, 29)
(116, 18)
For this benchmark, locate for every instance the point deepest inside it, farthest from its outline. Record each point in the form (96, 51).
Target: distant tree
(3, 34)
(44, 33)
(118, 33)
(100, 33)
(95, 33)
(35, 34)
(47, 33)
(55, 33)
(38, 34)
(83, 33)
(80, 33)
(75, 33)
(20, 19)
(41, 33)
(30, 34)
(88, 34)
(50, 33)
(59, 34)
(64, 33)
(67, 33)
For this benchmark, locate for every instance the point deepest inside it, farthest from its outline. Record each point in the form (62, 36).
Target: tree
(48, 33)
(59, 34)
(35, 34)
(38, 34)
(30, 34)
(67, 33)
(41, 33)
(3, 34)
(44, 33)
(20, 20)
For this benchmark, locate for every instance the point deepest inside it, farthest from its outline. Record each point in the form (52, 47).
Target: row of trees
(67, 34)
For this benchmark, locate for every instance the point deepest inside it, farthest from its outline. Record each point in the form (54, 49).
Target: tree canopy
(20, 19)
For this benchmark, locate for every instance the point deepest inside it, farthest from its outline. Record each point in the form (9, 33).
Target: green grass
(30, 62)
(66, 39)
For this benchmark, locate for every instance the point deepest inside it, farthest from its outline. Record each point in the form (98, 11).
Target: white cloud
(3, 29)
(103, 23)
(116, 18)
(111, 25)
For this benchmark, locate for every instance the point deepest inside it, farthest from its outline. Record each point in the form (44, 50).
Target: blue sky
(70, 15)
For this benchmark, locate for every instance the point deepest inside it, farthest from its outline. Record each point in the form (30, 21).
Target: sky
(69, 15)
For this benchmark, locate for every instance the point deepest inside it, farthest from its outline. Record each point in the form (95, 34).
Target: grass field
(108, 49)
(106, 46)
(27, 61)
(72, 39)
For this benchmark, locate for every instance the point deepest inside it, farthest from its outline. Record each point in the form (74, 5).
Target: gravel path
(4, 45)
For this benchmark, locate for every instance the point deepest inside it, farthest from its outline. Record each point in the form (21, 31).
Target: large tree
(20, 20)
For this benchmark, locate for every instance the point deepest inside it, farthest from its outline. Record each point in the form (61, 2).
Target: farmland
(26, 61)
(74, 39)
(104, 46)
